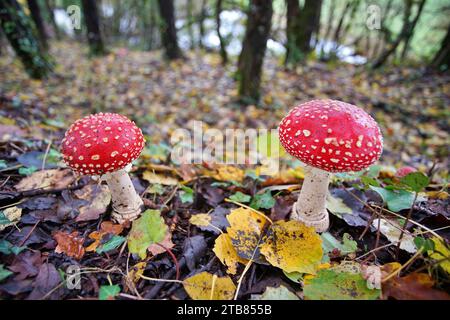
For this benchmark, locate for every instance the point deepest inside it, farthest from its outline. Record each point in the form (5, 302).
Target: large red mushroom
(104, 144)
(328, 136)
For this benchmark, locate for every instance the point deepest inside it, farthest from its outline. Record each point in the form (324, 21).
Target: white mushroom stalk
(127, 204)
(310, 207)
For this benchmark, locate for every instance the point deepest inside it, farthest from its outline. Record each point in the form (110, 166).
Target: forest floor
(61, 220)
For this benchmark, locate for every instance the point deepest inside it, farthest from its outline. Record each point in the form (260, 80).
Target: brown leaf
(47, 179)
(161, 247)
(46, 281)
(414, 286)
(69, 244)
(98, 197)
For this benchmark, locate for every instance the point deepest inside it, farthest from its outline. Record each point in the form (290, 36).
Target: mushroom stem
(310, 207)
(126, 202)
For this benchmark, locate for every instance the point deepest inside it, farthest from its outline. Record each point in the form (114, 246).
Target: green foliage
(187, 194)
(425, 244)
(240, 197)
(146, 230)
(396, 200)
(263, 201)
(26, 171)
(108, 292)
(4, 273)
(112, 244)
(415, 181)
(7, 247)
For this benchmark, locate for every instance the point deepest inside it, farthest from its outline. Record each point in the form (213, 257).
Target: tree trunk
(51, 15)
(36, 15)
(442, 57)
(201, 24)
(301, 25)
(410, 33)
(403, 33)
(17, 28)
(168, 30)
(337, 32)
(92, 21)
(223, 49)
(253, 49)
(190, 22)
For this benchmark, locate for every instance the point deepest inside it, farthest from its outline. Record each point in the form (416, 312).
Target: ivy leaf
(264, 201)
(108, 292)
(112, 244)
(240, 197)
(4, 273)
(146, 230)
(416, 181)
(187, 194)
(396, 200)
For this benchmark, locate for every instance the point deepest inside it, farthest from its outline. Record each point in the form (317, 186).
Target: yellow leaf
(155, 178)
(227, 173)
(440, 252)
(200, 220)
(13, 214)
(137, 271)
(293, 247)
(245, 231)
(442, 195)
(227, 254)
(206, 286)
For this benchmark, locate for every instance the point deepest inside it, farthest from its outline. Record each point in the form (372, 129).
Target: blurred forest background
(231, 64)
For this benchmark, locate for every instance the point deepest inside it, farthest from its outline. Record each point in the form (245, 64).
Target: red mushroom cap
(101, 143)
(331, 135)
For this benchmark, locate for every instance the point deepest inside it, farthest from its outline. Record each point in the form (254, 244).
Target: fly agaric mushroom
(328, 136)
(105, 144)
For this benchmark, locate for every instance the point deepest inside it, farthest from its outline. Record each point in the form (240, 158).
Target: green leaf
(26, 171)
(264, 201)
(146, 230)
(416, 181)
(156, 189)
(330, 284)
(426, 244)
(396, 200)
(294, 276)
(3, 164)
(330, 243)
(374, 171)
(369, 181)
(240, 197)
(186, 195)
(279, 293)
(3, 218)
(7, 248)
(4, 273)
(112, 244)
(108, 292)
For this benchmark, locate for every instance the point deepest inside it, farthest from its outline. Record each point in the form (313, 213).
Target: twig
(405, 225)
(393, 274)
(250, 208)
(29, 233)
(46, 154)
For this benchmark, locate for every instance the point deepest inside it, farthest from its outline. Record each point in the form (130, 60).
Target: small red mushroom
(328, 136)
(404, 171)
(105, 144)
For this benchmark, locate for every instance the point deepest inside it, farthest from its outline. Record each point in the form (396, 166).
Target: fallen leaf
(224, 250)
(396, 200)
(4, 273)
(280, 293)
(331, 284)
(137, 271)
(149, 228)
(226, 173)
(414, 286)
(111, 244)
(292, 246)
(155, 178)
(98, 198)
(440, 252)
(9, 217)
(246, 232)
(162, 246)
(206, 286)
(392, 230)
(47, 179)
(69, 244)
(200, 220)
(47, 280)
(108, 292)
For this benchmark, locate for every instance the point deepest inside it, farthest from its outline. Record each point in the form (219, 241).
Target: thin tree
(92, 20)
(36, 15)
(409, 35)
(442, 57)
(168, 30)
(201, 23)
(253, 49)
(223, 49)
(407, 30)
(17, 28)
(301, 25)
(49, 6)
